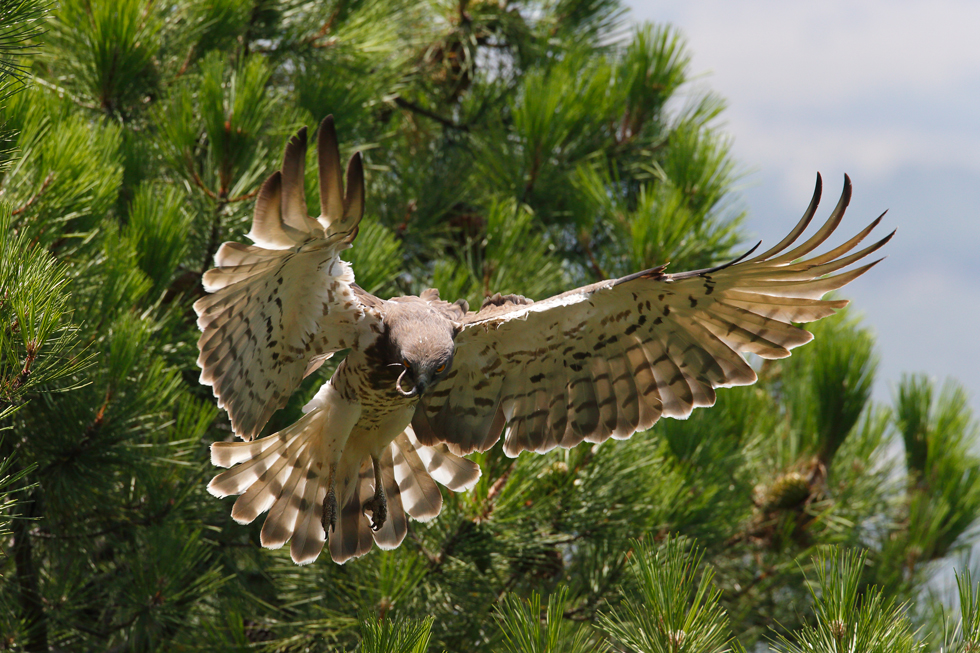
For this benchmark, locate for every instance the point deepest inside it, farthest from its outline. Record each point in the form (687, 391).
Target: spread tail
(288, 474)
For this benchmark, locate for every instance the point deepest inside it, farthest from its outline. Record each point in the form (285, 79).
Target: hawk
(426, 382)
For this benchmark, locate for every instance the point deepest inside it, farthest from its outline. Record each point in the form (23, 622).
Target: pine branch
(414, 108)
(597, 270)
(494, 492)
(213, 238)
(40, 191)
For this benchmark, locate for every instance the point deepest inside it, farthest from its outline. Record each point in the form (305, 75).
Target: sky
(888, 92)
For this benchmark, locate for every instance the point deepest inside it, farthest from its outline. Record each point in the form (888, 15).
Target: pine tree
(510, 146)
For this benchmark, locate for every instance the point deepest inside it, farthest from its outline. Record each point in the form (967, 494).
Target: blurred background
(888, 93)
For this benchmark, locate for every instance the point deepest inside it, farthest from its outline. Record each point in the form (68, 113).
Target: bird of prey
(427, 381)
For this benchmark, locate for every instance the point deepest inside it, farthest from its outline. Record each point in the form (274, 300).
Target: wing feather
(294, 212)
(801, 226)
(825, 230)
(850, 244)
(633, 349)
(649, 403)
(605, 396)
(583, 404)
(469, 422)
(675, 392)
(331, 183)
(268, 228)
(280, 307)
(555, 400)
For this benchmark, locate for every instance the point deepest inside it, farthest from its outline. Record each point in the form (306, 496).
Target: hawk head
(421, 343)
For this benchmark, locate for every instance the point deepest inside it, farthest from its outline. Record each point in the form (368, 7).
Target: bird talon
(379, 511)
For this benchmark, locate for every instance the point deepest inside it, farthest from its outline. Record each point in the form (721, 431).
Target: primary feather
(601, 361)
(289, 298)
(609, 359)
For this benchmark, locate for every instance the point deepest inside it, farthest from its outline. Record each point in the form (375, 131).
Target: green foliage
(21, 21)
(966, 635)
(211, 130)
(520, 621)
(518, 147)
(115, 45)
(38, 336)
(10, 483)
(654, 68)
(157, 229)
(512, 257)
(829, 383)
(378, 253)
(395, 636)
(943, 499)
(65, 176)
(849, 617)
(675, 610)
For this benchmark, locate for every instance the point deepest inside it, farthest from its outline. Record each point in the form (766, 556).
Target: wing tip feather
(213, 489)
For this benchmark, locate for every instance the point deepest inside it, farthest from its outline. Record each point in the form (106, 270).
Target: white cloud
(886, 90)
(797, 151)
(936, 310)
(814, 54)
(868, 86)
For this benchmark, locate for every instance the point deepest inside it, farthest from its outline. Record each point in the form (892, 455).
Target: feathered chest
(371, 382)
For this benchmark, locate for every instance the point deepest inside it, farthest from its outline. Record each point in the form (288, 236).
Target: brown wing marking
(280, 307)
(609, 359)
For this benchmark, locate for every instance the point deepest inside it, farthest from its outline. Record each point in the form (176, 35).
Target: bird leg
(378, 504)
(329, 517)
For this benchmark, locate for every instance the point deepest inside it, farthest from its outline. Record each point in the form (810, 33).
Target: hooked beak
(414, 392)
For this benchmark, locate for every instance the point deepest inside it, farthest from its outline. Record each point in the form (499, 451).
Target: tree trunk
(31, 605)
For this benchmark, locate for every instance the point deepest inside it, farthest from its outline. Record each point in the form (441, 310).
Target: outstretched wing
(612, 358)
(281, 306)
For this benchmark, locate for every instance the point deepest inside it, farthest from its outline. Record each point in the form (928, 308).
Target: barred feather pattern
(598, 362)
(279, 307)
(612, 358)
(287, 475)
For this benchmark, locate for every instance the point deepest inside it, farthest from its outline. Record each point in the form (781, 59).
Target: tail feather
(263, 493)
(352, 538)
(287, 475)
(253, 459)
(455, 472)
(309, 538)
(396, 527)
(281, 522)
(420, 494)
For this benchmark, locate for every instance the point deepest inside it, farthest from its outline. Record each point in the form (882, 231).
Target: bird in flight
(426, 382)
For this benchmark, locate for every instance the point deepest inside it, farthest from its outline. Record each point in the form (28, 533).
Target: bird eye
(440, 368)
(406, 364)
